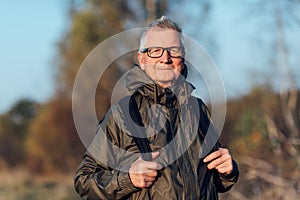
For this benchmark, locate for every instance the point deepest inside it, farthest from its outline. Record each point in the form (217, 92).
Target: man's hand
(220, 160)
(143, 173)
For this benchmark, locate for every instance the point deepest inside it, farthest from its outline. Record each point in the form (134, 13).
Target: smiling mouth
(165, 68)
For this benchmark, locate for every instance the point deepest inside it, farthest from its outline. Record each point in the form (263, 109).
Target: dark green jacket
(176, 124)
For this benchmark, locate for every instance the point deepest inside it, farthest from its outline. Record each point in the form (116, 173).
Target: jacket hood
(138, 81)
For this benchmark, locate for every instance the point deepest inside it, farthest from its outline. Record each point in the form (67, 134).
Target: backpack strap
(133, 120)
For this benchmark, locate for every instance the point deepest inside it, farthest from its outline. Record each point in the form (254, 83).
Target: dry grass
(20, 185)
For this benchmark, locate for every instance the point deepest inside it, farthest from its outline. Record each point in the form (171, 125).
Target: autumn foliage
(262, 127)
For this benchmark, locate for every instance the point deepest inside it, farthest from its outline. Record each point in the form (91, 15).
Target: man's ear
(141, 58)
(184, 70)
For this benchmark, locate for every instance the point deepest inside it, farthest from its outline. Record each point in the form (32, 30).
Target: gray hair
(163, 22)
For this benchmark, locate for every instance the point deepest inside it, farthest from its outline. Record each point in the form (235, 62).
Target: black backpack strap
(133, 120)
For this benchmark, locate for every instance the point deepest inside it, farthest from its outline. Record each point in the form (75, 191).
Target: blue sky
(31, 29)
(28, 36)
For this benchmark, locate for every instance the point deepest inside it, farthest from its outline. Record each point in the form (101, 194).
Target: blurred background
(254, 43)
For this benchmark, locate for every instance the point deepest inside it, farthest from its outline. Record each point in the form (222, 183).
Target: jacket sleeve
(96, 177)
(225, 182)
(95, 181)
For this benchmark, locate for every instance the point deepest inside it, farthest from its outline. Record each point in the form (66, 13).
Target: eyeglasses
(156, 52)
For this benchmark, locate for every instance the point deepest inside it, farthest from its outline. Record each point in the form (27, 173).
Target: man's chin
(166, 75)
(165, 82)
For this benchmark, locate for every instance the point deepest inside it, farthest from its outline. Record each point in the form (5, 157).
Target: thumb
(155, 155)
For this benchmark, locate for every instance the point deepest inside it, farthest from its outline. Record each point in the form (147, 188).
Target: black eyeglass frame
(146, 50)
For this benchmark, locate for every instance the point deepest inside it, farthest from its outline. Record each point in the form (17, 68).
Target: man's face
(166, 69)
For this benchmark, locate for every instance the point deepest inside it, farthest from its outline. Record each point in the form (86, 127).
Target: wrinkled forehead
(162, 37)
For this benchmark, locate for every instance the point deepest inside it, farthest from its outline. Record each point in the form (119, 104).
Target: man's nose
(166, 57)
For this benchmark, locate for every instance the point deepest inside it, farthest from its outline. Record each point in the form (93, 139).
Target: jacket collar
(138, 81)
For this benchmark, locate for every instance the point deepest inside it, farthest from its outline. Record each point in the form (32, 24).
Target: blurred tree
(14, 130)
(267, 167)
(269, 124)
(52, 144)
(154, 9)
(284, 126)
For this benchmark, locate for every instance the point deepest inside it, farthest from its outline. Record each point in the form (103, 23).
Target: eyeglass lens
(156, 52)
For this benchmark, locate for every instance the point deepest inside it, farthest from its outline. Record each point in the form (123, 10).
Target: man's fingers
(155, 155)
(143, 180)
(153, 165)
(220, 160)
(223, 167)
(226, 169)
(147, 184)
(151, 173)
(214, 155)
(143, 173)
(142, 183)
(215, 163)
(149, 179)
(147, 167)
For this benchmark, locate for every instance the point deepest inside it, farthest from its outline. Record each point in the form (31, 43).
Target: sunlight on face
(164, 70)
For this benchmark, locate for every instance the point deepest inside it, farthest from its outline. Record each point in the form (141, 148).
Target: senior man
(170, 157)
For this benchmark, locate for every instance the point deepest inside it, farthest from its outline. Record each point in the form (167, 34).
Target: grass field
(20, 185)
